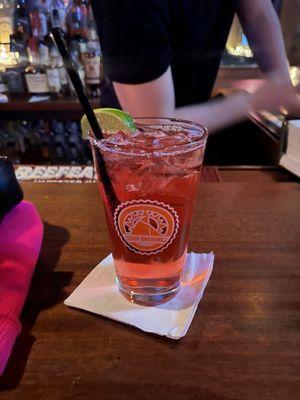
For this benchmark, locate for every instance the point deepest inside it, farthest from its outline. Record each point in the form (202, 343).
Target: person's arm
(156, 98)
(262, 28)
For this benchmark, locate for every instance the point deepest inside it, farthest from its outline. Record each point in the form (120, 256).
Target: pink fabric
(21, 233)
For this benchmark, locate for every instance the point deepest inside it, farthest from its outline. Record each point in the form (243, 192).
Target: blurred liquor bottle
(77, 58)
(3, 82)
(25, 31)
(6, 20)
(59, 15)
(38, 54)
(64, 79)
(77, 18)
(44, 142)
(92, 65)
(40, 18)
(53, 73)
(15, 74)
(21, 21)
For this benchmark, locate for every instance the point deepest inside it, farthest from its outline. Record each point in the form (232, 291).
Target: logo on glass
(145, 226)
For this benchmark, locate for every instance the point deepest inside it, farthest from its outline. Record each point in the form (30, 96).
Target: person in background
(161, 58)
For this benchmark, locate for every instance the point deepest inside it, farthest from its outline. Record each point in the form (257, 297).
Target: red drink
(155, 174)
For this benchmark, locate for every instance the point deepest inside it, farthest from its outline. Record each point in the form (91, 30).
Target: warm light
(7, 58)
(240, 51)
(295, 75)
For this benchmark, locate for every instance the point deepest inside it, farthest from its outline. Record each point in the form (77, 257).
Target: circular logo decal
(145, 226)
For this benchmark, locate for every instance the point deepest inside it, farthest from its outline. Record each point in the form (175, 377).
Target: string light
(240, 51)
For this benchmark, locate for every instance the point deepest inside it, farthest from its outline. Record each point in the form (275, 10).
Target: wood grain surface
(244, 342)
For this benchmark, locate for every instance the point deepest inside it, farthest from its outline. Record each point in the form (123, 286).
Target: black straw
(75, 79)
(89, 112)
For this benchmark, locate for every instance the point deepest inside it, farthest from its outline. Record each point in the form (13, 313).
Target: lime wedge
(111, 120)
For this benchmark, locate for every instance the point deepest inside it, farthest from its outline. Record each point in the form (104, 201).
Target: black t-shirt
(141, 38)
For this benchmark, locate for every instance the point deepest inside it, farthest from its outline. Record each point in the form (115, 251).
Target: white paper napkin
(99, 294)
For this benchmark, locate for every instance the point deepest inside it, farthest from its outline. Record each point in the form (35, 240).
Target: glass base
(149, 296)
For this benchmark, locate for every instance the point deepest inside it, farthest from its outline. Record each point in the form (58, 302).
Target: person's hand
(274, 95)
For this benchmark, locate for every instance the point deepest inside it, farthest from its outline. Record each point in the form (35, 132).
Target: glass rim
(197, 125)
(199, 141)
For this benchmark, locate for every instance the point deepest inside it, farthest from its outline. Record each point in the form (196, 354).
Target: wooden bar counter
(244, 342)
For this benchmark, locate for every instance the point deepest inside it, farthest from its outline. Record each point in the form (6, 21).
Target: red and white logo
(146, 226)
